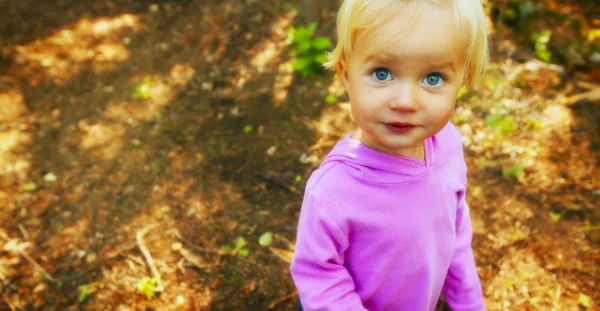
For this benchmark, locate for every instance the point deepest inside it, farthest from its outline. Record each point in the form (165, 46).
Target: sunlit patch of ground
(102, 140)
(521, 284)
(72, 49)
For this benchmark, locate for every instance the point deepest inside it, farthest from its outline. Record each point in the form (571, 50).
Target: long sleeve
(317, 268)
(462, 287)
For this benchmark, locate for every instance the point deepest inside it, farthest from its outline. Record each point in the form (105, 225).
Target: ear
(342, 70)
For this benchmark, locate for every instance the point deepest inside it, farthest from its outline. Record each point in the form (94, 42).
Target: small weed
(84, 292)
(148, 286)
(142, 90)
(309, 52)
(503, 124)
(516, 171)
(585, 300)
(265, 239)
(239, 248)
(331, 99)
(554, 216)
(541, 40)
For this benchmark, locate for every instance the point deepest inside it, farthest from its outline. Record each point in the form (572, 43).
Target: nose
(405, 98)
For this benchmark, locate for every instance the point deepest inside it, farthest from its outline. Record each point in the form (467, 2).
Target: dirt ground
(142, 138)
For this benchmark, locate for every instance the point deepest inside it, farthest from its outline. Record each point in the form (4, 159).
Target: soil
(143, 138)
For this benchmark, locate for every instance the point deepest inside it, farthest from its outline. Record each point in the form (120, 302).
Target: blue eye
(434, 79)
(381, 74)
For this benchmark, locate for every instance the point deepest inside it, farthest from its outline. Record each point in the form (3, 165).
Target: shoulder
(447, 143)
(328, 180)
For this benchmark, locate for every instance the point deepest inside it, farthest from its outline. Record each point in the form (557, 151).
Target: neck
(417, 151)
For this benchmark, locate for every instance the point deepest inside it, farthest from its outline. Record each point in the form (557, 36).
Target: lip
(399, 127)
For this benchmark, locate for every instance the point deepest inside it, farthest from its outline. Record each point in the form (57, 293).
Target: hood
(373, 166)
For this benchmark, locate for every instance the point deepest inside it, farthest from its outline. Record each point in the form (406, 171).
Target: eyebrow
(433, 61)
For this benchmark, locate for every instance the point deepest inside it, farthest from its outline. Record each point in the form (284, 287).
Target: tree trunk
(310, 11)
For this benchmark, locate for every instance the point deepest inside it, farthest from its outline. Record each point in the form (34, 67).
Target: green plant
(265, 239)
(331, 99)
(148, 286)
(516, 170)
(238, 248)
(142, 90)
(502, 123)
(519, 14)
(84, 292)
(308, 51)
(585, 300)
(541, 40)
(555, 216)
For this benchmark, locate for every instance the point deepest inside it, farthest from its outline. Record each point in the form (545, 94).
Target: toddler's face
(404, 92)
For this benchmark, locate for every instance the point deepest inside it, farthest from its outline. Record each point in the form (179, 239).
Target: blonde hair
(368, 16)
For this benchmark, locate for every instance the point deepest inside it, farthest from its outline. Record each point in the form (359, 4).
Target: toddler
(384, 223)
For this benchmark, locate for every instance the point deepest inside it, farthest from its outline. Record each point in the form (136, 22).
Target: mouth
(399, 127)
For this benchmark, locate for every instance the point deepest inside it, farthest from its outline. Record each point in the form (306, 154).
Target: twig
(8, 303)
(291, 245)
(6, 285)
(28, 258)
(136, 259)
(592, 95)
(140, 243)
(280, 300)
(280, 184)
(195, 260)
(24, 232)
(283, 254)
(187, 242)
(97, 263)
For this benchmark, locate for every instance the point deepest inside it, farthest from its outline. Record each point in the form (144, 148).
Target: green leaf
(320, 58)
(541, 40)
(321, 43)
(225, 249)
(244, 252)
(492, 119)
(301, 63)
(534, 124)
(265, 239)
(554, 216)
(239, 243)
(30, 187)
(544, 55)
(148, 286)
(84, 291)
(460, 118)
(541, 37)
(248, 129)
(514, 171)
(501, 123)
(142, 90)
(585, 300)
(331, 99)
(303, 47)
(298, 178)
(311, 29)
(462, 92)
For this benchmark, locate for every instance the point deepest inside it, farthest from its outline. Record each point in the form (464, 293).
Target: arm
(462, 288)
(317, 268)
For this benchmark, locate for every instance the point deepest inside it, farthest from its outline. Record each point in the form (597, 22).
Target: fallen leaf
(283, 254)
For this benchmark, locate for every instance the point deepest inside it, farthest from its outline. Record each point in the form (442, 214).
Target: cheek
(440, 114)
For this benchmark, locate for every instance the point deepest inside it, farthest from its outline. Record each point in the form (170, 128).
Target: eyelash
(441, 75)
